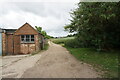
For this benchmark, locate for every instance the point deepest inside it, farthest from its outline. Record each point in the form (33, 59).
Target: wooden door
(10, 44)
(16, 44)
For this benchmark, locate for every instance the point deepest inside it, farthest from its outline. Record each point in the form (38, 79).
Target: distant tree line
(97, 24)
(71, 35)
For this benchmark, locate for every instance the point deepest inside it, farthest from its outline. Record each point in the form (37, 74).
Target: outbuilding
(24, 40)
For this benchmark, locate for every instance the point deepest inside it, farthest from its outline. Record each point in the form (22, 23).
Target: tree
(39, 29)
(44, 33)
(97, 24)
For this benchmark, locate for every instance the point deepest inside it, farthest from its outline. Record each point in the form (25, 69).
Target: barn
(24, 40)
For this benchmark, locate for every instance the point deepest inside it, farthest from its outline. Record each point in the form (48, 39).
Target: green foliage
(46, 46)
(71, 35)
(62, 40)
(39, 29)
(97, 24)
(59, 41)
(72, 43)
(49, 37)
(104, 61)
(43, 33)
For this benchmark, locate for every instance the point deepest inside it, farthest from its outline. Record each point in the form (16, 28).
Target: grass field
(102, 61)
(62, 40)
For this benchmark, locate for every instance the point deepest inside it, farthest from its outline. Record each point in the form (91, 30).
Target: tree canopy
(97, 24)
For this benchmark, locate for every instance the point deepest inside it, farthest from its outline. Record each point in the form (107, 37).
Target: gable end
(26, 29)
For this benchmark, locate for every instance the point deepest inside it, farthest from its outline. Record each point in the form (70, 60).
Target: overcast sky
(51, 15)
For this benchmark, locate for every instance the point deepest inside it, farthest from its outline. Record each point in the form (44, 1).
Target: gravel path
(57, 62)
(15, 66)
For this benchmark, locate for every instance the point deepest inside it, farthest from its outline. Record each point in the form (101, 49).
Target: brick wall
(26, 29)
(3, 43)
(16, 44)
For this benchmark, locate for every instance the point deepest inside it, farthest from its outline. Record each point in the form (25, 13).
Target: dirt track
(57, 62)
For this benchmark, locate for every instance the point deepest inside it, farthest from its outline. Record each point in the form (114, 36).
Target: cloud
(51, 16)
(58, 1)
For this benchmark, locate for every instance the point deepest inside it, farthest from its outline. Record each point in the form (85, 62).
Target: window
(22, 38)
(32, 37)
(27, 38)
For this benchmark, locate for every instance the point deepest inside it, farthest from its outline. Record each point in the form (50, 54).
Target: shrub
(59, 41)
(72, 43)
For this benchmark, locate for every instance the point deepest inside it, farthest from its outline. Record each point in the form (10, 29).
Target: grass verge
(103, 61)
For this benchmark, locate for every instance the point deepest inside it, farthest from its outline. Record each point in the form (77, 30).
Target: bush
(69, 42)
(59, 41)
(72, 43)
(46, 46)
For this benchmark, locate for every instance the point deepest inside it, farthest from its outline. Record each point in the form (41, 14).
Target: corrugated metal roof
(10, 30)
